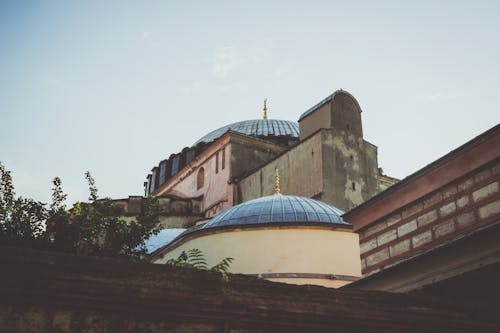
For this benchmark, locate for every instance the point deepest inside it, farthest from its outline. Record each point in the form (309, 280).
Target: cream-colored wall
(300, 172)
(286, 250)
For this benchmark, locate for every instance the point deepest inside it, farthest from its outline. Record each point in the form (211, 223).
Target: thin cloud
(440, 96)
(146, 35)
(225, 61)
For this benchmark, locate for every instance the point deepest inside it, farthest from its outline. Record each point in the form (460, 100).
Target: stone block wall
(460, 208)
(43, 292)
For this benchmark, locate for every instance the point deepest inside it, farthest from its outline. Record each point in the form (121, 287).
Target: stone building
(434, 229)
(324, 156)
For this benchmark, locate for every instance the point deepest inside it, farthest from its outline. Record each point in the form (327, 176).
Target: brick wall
(467, 204)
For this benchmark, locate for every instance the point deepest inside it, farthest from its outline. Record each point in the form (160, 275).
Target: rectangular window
(217, 162)
(223, 158)
(175, 165)
(163, 172)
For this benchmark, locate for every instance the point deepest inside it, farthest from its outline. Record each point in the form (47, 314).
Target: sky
(114, 87)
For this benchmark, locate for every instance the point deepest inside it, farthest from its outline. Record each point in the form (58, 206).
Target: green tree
(22, 221)
(93, 228)
(102, 231)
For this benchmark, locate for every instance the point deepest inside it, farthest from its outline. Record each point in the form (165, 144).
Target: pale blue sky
(116, 86)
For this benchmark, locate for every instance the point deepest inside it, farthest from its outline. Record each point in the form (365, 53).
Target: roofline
(241, 121)
(326, 100)
(197, 231)
(228, 135)
(469, 145)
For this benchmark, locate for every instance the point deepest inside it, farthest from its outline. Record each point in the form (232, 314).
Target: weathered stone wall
(449, 213)
(175, 212)
(350, 169)
(332, 165)
(300, 171)
(48, 292)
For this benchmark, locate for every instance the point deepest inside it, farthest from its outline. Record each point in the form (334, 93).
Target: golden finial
(277, 183)
(265, 108)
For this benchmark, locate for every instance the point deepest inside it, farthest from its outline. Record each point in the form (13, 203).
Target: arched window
(200, 178)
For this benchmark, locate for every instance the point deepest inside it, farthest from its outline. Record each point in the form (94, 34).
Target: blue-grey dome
(257, 128)
(278, 209)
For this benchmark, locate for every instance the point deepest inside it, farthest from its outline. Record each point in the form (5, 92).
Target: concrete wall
(296, 250)
(350, 169)
(332, 166)
(300, 171)
(321, 118)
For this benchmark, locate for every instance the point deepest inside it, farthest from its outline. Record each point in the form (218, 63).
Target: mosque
(331, 217)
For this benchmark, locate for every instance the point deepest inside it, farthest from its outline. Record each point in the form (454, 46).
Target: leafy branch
(195, 258)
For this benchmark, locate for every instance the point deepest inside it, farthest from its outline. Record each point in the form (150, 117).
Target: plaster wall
(216, 192)
(300, 171)
(280, 250)
(350, 169)
(320, 118)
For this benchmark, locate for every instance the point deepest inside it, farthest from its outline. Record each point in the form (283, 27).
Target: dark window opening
(353, 186)
(217, 162)
(223, 158)
(348, 127)
(351, 157)
(200, 178)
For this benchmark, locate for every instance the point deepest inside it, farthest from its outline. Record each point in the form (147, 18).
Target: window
(217, 162)
(353, 186)
(200, 178)
(348, 127)
(223, 164)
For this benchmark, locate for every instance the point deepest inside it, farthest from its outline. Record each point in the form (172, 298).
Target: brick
(386, 237)
(490, 209)
(465, 219)
(399, 248)
(412, 210)
(465, 184)
(367, 246)
(407, 228)
(447, 209)
(462, 202)
(393, 219)
(444, 228)
(449, 191)
(363, 264)
(61, 321)
(378, 226)
(377, 257)
(483, 175)
(432, 200)
(496, 169)
(427, 218)
(421, 239)
(485, 191)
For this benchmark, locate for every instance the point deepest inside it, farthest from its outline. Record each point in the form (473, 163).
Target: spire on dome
(265, 108)
(277, 189)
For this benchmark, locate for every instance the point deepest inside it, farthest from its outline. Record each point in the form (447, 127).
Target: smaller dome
(278, 209)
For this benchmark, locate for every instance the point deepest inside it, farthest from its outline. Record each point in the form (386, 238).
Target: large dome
(256, 128)
(278, 209)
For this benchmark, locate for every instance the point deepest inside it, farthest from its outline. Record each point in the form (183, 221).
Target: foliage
(22, 220)
(195, 258)
(101, 230)
(93, 228)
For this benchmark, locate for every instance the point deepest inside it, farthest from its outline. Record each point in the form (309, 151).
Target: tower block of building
(323, 156)
(332, 162)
